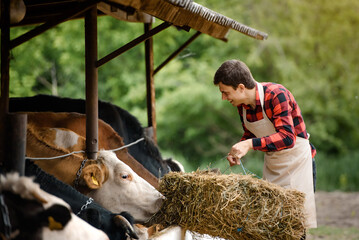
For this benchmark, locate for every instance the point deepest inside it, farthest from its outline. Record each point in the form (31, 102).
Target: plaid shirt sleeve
(282, 109)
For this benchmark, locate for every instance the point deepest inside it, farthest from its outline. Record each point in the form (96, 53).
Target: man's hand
(238, 151)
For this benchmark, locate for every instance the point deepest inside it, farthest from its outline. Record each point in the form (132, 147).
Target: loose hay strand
(230, 206)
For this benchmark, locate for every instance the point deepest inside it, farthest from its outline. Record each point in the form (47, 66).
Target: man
(272, 123)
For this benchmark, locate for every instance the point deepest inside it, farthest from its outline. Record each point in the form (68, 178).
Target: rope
(128, 145)
(56, 157)
(245, 170)
(81, 151)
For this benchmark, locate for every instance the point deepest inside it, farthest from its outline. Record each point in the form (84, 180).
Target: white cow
(73, 228)
(124, 190)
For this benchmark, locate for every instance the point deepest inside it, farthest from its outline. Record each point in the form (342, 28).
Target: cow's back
(108, 139)
(125, 124)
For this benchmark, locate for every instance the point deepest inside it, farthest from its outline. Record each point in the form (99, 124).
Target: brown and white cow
(107, 138)
(108, 180)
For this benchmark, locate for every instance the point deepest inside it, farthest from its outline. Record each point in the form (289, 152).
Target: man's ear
(241, 87)
(93, 176)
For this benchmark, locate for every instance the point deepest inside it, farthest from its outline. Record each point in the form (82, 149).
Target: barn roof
(182, 13)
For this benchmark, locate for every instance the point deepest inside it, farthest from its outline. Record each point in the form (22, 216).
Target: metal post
(91, 83)
(150, 84)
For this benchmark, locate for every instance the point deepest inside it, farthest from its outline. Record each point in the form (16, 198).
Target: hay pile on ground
(231, 206)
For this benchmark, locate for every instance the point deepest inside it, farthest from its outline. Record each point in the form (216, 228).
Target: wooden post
(15, 143)
(5, 67)
(5, 55)
(150, 84)
(91, 83)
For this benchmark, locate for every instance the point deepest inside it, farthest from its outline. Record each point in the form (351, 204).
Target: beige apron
(289, 168)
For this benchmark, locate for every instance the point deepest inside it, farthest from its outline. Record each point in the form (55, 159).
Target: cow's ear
(93, 176)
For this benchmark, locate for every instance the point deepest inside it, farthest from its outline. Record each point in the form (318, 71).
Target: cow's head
(118, 188)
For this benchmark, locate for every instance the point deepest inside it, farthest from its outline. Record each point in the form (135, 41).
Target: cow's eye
(126, 176)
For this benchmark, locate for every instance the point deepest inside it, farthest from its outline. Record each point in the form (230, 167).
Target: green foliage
(311, 49)
(338, 172)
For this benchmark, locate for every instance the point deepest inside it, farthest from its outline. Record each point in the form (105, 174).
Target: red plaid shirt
(283, 111)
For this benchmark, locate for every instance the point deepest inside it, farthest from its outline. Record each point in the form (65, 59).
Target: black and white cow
(125, 124)
(28, 212)
(116, 226)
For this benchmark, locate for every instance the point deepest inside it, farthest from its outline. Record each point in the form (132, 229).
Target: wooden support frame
(52, 23)
(175, 53)
(89, 9)
(14, 158)
(5, 55)
(5, 68)
(133, 43)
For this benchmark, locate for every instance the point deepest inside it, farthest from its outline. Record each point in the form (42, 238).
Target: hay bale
(231, 206)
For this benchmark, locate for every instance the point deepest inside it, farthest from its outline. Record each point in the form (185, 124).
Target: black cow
(126, 125)
(116, 226)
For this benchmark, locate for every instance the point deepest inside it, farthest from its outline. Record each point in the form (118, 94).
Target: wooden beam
(5, 68)
(52, 23)
(5, 55)
(150, 84)
(174, 54)
(133, 43)
(91, 83)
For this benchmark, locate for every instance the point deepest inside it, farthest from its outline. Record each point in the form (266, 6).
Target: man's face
(235, 97)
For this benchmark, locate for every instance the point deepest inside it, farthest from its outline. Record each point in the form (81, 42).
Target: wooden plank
(175, 53)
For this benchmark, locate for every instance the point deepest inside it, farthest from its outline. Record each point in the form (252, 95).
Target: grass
(338, 172)
(333, 233)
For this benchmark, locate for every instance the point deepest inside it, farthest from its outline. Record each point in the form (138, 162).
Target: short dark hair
(233, 73)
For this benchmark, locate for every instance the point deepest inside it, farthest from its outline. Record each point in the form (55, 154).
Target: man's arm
(238, 151)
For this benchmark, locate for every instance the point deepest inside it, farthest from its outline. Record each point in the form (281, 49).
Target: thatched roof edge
(218, 18)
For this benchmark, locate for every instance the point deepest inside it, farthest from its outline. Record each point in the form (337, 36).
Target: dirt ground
(337, 210)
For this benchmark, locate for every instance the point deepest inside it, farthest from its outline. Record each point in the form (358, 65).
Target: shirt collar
(258, 101)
